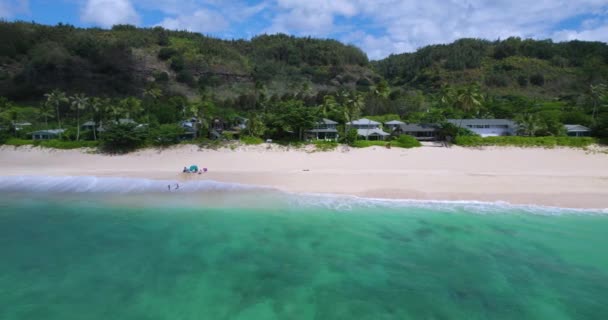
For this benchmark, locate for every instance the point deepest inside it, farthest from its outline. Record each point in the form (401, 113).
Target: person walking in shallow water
(169, 187)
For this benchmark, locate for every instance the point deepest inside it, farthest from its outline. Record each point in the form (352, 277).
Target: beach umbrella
(193, 168)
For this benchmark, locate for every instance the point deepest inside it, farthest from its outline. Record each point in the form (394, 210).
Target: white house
(47, 134)
(576, 130)
(368, 129)
(324, 130)
(487, 127)
(393, 124)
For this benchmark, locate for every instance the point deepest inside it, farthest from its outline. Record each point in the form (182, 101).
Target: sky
(379, 27)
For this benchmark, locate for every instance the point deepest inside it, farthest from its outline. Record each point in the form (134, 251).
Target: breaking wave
(89, 184)
(114, 185)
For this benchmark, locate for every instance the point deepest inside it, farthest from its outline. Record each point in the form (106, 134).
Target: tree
(167, 134)
(78, 102)
(131, 106)
(329, 106)
(46, 112)
(56, 98)
(256, 126)
(115, 109)
(468, 98)
(529, 124)
(96, 106)
(597, 94)
(121, 138)
(151, 95)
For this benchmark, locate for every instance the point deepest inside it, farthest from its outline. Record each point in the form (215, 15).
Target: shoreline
(564, 178)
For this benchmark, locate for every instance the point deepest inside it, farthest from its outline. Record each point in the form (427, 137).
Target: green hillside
(61, 76)
(35, 59)
(534, 69)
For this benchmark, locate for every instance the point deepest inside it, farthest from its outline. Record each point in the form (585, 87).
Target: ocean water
(132, 249)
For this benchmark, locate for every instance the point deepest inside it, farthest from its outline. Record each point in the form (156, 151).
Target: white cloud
(9, 8)
(410, 24)
(596, 33)
(107, 13)
(311, 17)
(203, 21)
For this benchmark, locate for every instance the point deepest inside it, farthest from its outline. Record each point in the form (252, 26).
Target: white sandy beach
(554, 177)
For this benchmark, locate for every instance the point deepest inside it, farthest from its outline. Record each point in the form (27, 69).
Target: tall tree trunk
(58, 119)
(77, 124)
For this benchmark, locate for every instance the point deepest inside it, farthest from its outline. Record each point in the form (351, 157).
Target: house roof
(125, 121)
(327, 121)
(323, 130)
(89, 124)
(395, 122)
(418, 127)
(52, 131)
(576, 128)
(363, 121)
(21, 123)
(491, 122)
(371, 132)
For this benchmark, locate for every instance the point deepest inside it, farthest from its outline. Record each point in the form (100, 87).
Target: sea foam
(116, 185)
(90, 184)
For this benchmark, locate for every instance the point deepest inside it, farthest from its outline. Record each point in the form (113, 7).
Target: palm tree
(529, 124)
(78, 102)
(96, 105)
(447, 96)
(114, 109)
(598, 93)
(151, 95)
(329, 105)
(46, 112)
(131, 106)
(55, 99)
(469, 98)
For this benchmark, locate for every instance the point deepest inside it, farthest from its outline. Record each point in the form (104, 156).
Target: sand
(571, 178)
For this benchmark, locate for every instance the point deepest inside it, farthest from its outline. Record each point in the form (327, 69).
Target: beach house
(368, 129)
(487, 127)
(577, 130)
(47, 134)
(420, 131)
(393, 124)
(325, 129)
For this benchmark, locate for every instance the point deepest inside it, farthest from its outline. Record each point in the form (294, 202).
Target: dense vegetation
(62, 76)
(545, 142)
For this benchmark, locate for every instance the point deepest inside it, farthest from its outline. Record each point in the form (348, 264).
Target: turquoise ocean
(93, 248)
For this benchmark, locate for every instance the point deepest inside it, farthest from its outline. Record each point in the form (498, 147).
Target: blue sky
(379, 27)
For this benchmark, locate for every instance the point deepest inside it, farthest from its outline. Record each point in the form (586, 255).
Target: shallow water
(215, 256)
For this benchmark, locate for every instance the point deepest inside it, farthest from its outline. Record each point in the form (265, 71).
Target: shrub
(166, 53)
(545, 142)
(54, 143)
(406, 141)
(58, 144)
(167, 134)
(186, 77)
(325, 145)
(251, 140)
(18, 142)
(350, 137)
(122, 138)
(537, 80)
(161, 76)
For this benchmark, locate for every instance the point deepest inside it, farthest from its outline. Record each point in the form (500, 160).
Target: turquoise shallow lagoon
(167, 257)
